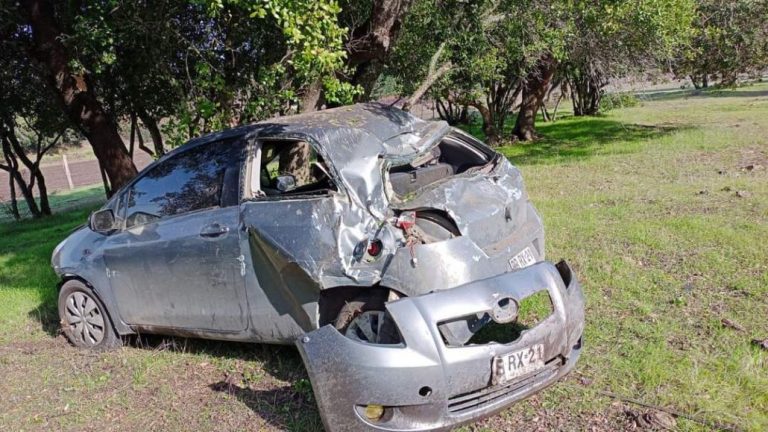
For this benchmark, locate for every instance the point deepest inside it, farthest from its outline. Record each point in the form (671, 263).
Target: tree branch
(433, 74)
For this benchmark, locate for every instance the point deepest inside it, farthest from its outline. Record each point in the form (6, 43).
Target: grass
(655, 208)
(60, 201)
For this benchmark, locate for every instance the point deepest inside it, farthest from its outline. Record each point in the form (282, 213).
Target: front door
(177, 263)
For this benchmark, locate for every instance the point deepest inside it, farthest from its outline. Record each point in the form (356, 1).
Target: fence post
(66, 170)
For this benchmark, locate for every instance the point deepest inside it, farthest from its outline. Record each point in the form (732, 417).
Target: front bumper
(425, 385)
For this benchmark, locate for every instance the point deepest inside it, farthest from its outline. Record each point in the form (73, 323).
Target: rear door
(177, 263)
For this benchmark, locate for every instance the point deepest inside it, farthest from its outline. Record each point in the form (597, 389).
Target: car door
(177, 262)
(287, 245)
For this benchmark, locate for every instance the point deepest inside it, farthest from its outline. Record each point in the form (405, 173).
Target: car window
(204, 177)
(298, 160)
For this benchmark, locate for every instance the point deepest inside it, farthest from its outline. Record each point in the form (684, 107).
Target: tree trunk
(42, 193)
(78, 99)
(13, 172)
(35, 174)
(534, 90)
(372, 41)
(154, 131)
(312, 100)
(14, 202)
(492, 136)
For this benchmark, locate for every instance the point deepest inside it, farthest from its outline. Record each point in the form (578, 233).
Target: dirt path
(84, 173)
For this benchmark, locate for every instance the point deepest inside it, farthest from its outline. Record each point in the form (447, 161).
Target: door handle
(214, 230)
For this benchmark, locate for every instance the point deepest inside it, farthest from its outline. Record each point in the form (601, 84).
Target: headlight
(55, 255)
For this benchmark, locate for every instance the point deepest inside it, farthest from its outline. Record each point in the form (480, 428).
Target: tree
(77, 97)
(611, 39)
(374, 29)
(729, 38)
(491, 52)
(30, 124)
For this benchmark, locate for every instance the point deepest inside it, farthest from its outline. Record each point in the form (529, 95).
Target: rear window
(455, 154)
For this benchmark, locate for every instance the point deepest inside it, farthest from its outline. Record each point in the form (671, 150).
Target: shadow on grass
(675, 94)
(574, 138)
(582, 138)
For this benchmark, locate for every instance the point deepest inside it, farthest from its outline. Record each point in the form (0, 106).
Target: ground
(661, 208)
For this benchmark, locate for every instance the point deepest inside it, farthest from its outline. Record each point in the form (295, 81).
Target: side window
(204, 177)
(297, 162)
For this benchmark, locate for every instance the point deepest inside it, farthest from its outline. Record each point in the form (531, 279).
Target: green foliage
(730, 38)
(612, 101)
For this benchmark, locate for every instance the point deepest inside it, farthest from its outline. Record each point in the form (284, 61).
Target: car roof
(345, 133)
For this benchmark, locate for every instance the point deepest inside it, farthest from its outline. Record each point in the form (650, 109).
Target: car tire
(84, 319)
(360, 309)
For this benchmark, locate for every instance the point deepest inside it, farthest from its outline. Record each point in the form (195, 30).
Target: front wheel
(365, 319)
(84, 320)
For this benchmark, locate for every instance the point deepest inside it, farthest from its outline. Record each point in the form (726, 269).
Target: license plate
(523, 259)
(517, 364)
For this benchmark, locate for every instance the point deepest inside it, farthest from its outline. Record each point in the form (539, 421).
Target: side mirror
(285, 183)
(103, 221)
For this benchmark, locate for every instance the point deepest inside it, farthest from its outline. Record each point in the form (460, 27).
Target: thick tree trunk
(312, 100)
(78, 99)
(372, 41)
(154, 131)
(492, 135)
(534, 90)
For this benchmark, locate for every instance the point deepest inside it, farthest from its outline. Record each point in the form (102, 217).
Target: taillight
(374, 248)
(406, 220)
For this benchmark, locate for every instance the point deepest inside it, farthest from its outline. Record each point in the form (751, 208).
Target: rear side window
(201, 178)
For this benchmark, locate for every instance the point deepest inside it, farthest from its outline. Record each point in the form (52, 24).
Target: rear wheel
(84, 320)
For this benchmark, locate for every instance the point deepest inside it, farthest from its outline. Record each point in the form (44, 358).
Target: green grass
(60, 201)
(642, 202)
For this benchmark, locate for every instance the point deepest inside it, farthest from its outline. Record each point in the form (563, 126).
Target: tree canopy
(177, 69)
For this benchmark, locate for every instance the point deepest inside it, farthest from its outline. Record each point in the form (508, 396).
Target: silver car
(402, 257)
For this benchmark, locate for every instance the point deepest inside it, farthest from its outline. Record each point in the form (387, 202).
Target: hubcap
(84, 318)
(366, 327)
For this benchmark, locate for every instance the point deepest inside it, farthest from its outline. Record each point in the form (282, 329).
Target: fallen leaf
(653, 420)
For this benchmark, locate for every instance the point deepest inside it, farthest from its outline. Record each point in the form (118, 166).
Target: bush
(613, 101)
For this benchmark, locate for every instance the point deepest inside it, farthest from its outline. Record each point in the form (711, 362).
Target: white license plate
(523, 259)
(516, 364)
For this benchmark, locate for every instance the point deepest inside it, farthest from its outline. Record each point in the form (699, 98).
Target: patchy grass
(60, 201)
(655, 207)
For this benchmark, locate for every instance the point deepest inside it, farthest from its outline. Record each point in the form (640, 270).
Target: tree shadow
(682, 94)
(578, 138)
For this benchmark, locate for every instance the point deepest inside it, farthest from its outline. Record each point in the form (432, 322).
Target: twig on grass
(711, 424)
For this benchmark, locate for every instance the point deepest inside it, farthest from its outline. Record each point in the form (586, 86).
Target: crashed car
(402, 257)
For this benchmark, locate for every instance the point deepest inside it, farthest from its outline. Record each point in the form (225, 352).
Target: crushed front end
(427, 381)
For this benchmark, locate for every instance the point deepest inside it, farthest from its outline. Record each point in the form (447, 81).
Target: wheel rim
(84, 318)
(366, 327)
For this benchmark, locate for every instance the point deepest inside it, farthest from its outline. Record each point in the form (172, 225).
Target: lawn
(662, 209)
(60, 201)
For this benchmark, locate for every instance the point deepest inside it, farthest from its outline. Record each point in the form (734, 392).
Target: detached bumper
(425, 385)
